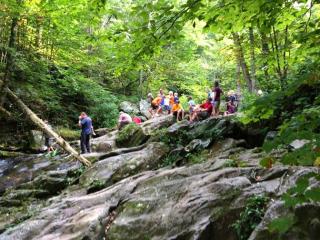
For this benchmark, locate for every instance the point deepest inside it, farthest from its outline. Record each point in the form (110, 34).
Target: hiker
(155, 104)
(232, 99)
(161, 92)
(48, 140)
(85, 123)
(203, 111)
(166, 104)
(192, 106)
(217, 98)
(149, 98)
(124, 119)
(136, 120)
(171, 98)
(176, 97)
(231, 108)
(177, 110)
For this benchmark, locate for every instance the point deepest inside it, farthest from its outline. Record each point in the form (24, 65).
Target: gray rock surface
(125, 195)
(118, 167)
(144, 107)
(129, 107)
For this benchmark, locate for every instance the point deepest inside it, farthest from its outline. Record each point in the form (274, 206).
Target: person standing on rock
(217, 98)
(85, 123)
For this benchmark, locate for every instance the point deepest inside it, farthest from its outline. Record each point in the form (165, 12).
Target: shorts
(203, 115)
(166, 108)
(217, 104)
(154, 107)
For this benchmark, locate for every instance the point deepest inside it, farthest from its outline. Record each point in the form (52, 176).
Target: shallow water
(18, 170)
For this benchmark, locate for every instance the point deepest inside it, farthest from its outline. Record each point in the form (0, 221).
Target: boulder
(37, 139)
(129, 108)
(130, 136)
(104, 143)
(154, 124)
(144, 107)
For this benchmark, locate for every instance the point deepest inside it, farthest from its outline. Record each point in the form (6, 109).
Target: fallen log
(5, 112)
(41, 125)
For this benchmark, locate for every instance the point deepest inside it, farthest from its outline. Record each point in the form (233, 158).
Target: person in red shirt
(203, 111)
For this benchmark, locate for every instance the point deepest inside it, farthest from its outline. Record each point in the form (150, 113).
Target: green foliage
(301, 193)
(169, 160)
(250, 217)
(96, 185)
(234, 163)
(282, 225)
(126, 132)
(68, 134)
(296, 128)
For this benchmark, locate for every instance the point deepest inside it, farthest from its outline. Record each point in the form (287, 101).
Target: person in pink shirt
(124, 119)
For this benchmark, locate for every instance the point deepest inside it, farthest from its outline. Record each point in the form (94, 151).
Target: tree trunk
(5, 112)
(276, 47)
(265, 54)
(242, 62)
(252, 60)
(238, 76)
(39, 123)
(9, 66)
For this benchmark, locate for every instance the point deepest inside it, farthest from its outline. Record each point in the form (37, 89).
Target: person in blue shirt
(85, 123)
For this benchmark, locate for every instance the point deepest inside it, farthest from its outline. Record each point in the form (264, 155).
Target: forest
(59, 58)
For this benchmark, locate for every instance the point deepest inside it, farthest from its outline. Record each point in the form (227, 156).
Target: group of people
(166, 104)
(170, 104)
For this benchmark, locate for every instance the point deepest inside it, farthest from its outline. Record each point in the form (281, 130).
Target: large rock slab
(193, 202)
(118, 167)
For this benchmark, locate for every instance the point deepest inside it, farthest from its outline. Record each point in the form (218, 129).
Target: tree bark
(5, 83)
(276, 47)
(265, 54)
(238, 76)
(242, 62)
(5, 112)
(39, 123)
(252, 60)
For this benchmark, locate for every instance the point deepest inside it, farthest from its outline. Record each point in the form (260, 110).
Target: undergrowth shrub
(250, 217)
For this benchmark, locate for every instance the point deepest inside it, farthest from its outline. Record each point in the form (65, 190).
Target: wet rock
(129, 107)
(144, 107)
